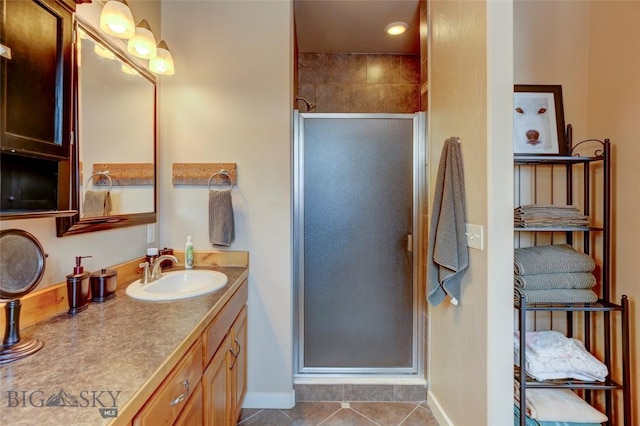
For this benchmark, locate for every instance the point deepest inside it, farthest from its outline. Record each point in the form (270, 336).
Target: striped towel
(550, 259)
(562, 295)
(555, 281)
(221, 226)
(448, 254)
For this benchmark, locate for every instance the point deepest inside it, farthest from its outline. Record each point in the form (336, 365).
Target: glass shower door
(355, 266)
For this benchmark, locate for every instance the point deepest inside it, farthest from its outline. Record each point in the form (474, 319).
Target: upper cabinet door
(36, 82)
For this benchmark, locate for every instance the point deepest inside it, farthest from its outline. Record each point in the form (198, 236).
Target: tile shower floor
(343, 414)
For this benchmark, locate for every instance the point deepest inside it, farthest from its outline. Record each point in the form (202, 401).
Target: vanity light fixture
(163, 62)
(129, 70)
(143, 44)
(116, 19)
(103, 52)
(396, 28)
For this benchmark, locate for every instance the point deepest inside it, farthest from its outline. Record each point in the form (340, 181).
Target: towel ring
(101, 174)
(222, 172)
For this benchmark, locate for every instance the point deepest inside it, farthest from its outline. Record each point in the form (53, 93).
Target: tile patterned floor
(343, 414)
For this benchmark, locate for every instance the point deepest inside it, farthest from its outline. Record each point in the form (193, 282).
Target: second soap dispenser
(78, 287)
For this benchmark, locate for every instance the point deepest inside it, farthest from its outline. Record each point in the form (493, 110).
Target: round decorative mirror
(22, 262)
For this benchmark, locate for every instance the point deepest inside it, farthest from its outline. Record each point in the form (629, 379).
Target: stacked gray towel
(548, 215)
(554, 274)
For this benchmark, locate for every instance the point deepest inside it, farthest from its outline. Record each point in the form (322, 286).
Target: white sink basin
(176, 285)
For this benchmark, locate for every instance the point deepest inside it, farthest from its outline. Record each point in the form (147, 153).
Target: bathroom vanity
(132, 362)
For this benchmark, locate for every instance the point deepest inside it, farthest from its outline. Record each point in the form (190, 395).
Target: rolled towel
(221, 225)
(562, 295)
(551, 259)
(568, 280)
(96, 203)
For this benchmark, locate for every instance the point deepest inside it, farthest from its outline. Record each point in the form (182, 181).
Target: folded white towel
(559, 405)
(551, 355)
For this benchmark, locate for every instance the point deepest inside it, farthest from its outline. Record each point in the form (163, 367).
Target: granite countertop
(103, 357)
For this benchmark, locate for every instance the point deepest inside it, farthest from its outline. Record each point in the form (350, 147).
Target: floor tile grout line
(403, 419)
(336, 412)
(371, 420)
(253, 415)
(409, 415)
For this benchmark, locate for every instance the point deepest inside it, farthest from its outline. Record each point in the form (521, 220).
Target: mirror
(113, 165)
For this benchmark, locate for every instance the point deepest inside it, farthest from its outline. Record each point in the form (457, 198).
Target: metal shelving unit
(571, 166)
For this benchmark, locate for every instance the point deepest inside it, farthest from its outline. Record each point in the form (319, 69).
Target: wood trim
(199, 173)
(124, 174)
(216, 258)
(51, 301)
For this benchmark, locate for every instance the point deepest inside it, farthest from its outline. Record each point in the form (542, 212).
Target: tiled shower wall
(352, 82)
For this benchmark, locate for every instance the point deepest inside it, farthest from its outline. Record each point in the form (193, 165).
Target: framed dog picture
(538, 120)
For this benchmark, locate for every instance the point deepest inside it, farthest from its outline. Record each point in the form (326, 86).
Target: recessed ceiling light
(396, 28)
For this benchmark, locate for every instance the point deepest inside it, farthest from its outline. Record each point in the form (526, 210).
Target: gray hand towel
(221, 227)
(448, 254)
(96, 204)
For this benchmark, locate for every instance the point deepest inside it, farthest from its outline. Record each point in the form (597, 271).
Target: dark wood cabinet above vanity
(37, 95)
(36, 119)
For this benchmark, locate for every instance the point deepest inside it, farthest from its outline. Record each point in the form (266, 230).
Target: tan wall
(591, 48)
(612, 112)
(470, 92)
(231, 101)
(346, 82)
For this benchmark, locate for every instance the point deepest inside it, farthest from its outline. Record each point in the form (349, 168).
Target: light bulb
(143, 43)
(396, 28)
(163, 62)
(116, 19)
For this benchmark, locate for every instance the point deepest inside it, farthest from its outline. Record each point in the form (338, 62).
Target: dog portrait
(536, 129)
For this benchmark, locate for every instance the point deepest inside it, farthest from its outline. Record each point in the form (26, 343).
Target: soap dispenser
(78, 287)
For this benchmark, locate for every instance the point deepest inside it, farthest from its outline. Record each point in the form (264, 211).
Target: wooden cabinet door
(238, 368)
(37, 80)
(216, 387)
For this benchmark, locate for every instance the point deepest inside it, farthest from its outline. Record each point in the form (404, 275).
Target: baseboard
(271, 400)
(438, 412)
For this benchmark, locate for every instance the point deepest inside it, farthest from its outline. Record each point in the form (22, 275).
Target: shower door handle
(409, 243)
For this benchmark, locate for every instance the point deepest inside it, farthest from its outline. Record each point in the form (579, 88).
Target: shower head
(310, 106)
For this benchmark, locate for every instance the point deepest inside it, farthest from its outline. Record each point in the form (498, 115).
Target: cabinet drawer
(171, 397)
(215, 333)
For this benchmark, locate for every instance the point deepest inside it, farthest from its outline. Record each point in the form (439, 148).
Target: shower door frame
(418, 247)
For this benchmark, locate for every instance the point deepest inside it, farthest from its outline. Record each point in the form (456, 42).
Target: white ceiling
(356, 26)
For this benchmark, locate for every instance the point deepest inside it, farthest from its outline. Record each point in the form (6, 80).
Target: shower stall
(358, 180)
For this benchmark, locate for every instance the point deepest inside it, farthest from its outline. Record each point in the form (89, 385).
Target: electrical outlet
(475, 236)
(151, 233)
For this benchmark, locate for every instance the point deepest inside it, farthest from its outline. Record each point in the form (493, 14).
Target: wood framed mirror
(113, 164)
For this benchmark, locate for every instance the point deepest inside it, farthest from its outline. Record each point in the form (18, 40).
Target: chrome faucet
(155, 268)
